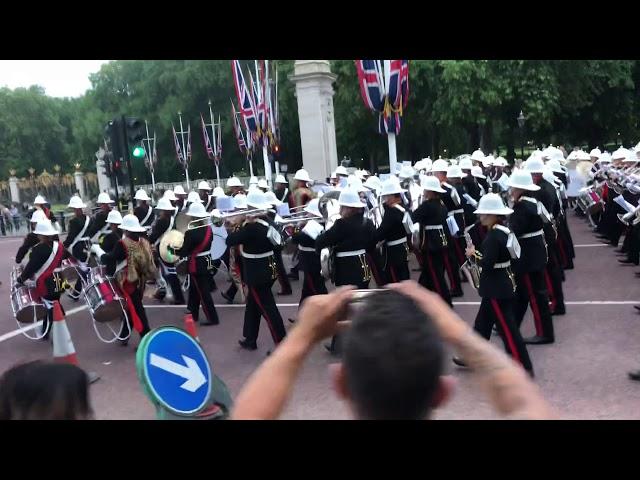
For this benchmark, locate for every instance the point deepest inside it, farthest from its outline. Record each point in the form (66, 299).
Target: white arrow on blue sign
(176, 370)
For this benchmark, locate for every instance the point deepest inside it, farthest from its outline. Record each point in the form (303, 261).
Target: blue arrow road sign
(176, 370)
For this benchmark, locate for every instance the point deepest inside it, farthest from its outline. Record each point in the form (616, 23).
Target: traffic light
(138, 152)
(113, 132)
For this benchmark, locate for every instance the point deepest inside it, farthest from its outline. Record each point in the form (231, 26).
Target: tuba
(470, 268)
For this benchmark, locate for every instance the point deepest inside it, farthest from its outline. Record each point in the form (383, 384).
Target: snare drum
(68, 271)
(16, 271)
(103, 297)
(26, 309)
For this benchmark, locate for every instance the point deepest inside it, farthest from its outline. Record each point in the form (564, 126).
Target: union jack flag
(219, 142)
(189, 143)
(404, 82)
(176, 143)
(245, 98)
(237, 130)
(207, 141)
(388, 100)
(371, 84)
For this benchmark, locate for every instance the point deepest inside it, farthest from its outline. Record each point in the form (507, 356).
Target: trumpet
(218, 219)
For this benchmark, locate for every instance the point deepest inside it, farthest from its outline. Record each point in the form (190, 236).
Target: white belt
(204, 254)
(257, 255)
(532, 234)
(433, 227)
(502, 265)
(400, 241)
(306, 249)
(467, 229)
(352, 253)
(453, 212)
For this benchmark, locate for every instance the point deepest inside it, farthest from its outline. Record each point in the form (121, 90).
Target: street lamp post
(521, 118)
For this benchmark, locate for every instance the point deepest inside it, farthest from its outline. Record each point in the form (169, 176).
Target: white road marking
(584, 245)
(73, 311)
(19, 331)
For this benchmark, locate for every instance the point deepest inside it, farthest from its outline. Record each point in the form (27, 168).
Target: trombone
(218, 219)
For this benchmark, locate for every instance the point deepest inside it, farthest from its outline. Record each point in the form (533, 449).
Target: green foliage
(457, 105)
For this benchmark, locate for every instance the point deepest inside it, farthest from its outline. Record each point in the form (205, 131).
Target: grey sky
(60, 78)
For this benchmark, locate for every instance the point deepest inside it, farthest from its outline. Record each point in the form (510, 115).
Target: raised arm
(510, 389)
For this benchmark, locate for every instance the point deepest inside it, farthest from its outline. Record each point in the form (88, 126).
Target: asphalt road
(584, 374)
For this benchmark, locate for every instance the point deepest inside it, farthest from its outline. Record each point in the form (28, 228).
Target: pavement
(583, 375)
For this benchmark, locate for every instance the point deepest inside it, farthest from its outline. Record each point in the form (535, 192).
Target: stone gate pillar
(314, 90)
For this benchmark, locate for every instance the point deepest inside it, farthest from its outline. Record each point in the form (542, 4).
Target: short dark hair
(44, 391)
(393, 358)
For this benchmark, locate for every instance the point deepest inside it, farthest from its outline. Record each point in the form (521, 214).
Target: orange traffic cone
(190, 326)
(63, 349)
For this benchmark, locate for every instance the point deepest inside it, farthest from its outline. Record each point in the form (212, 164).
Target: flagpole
(153, 177)
(215, 144)
(150, 155)
(184, 152)
(391, 137)
(265, 154)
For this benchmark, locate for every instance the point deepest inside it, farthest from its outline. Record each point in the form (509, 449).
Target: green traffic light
(138, 152)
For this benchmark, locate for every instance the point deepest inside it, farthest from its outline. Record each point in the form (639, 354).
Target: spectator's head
(44, 391)
(392, 361)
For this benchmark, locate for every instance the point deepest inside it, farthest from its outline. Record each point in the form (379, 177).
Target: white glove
(96, 250)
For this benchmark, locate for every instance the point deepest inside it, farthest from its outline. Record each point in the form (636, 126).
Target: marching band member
(164, 223)
(232, 256)
(263, 185)
(191, 198)
(526, 224)
(301, 194)
(109, 241)
(217, 192)
(433, 244)
(333, 181)
(197, 246)
(370, 211)
(203, 192)
(169, 195)
(131, 261)
(98, 227)
(282, 189)
(144, 211)
(565, 241)
(351, 236)
(181, 197)
(76, 243)
(31, 239)
(253, 182)
(497, 283)
(283, 279)
(455, 256)
(234, 186)
(305, 239)
(44, 258)
(259, 273)
(41, 204)
(393, 233)
(459, 209)
(546, 195)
